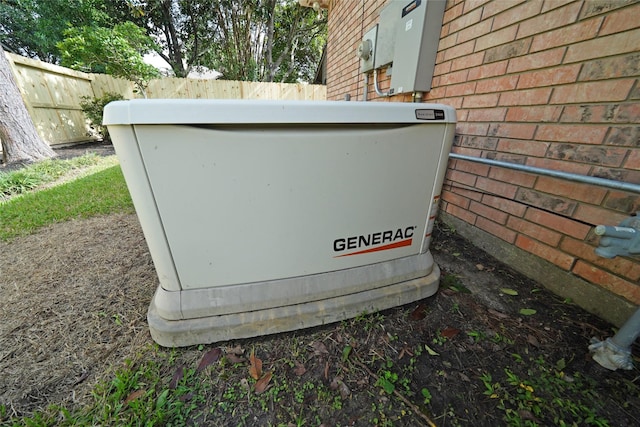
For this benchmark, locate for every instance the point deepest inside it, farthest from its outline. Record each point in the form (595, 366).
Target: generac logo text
(374, 242)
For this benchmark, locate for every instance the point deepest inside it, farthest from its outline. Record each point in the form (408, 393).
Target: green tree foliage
(298, 40)
(257, 40)
(33, 28)
(266, 40)
(117, 51)
(254, 40)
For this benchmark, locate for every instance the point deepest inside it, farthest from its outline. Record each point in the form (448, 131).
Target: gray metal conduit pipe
(602, 182)
(365, 93)
(613, 353)
(375, 84)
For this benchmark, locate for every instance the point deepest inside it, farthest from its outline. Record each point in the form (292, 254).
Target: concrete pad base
(204, 330)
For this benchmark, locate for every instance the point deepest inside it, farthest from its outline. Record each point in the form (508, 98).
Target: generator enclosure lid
(212, 111)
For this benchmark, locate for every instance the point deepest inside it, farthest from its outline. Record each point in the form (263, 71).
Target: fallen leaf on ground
(133, 396)
(210, 357)
(319, 348)
(419, 313)
(533, 340)
(527, 311)
(231, 357)
(338, 337)
(176, 377)
(346, 351)
(449, 332)
(263, 383)
(255, 366)
(508, 291)
(338, 384)
(567, 378)
(299, 370)
(430, 351)
(237, 350)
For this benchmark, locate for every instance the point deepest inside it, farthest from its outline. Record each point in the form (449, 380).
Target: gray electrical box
(406, 37)
(367, 50)
(416, 45)
(390, 17)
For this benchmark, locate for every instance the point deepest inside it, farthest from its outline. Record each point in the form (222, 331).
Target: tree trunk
(18, 134)
(173, 41)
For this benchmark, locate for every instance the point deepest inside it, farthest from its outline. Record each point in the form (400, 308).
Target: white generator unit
(270, 216)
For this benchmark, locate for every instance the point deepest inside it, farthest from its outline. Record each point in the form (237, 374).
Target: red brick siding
(550, 84)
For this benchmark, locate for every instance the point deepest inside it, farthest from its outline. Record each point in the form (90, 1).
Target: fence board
(103, 84)
(53, 94)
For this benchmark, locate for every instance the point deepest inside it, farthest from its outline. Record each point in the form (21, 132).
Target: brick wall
(551, 84)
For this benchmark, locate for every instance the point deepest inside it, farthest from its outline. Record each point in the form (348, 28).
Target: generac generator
(269, 216)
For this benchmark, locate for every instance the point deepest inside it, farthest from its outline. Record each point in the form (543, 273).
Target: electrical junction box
(270, 216)
(416, 46)
(367, 49)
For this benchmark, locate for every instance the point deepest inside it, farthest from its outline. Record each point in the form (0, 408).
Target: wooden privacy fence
(53, 94)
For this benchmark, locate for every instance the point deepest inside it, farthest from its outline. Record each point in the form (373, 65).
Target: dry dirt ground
(73, 308)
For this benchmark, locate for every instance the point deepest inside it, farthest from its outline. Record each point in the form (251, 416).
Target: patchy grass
(381, 369)
(31, 177)
(103, 192)
(546, 391)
